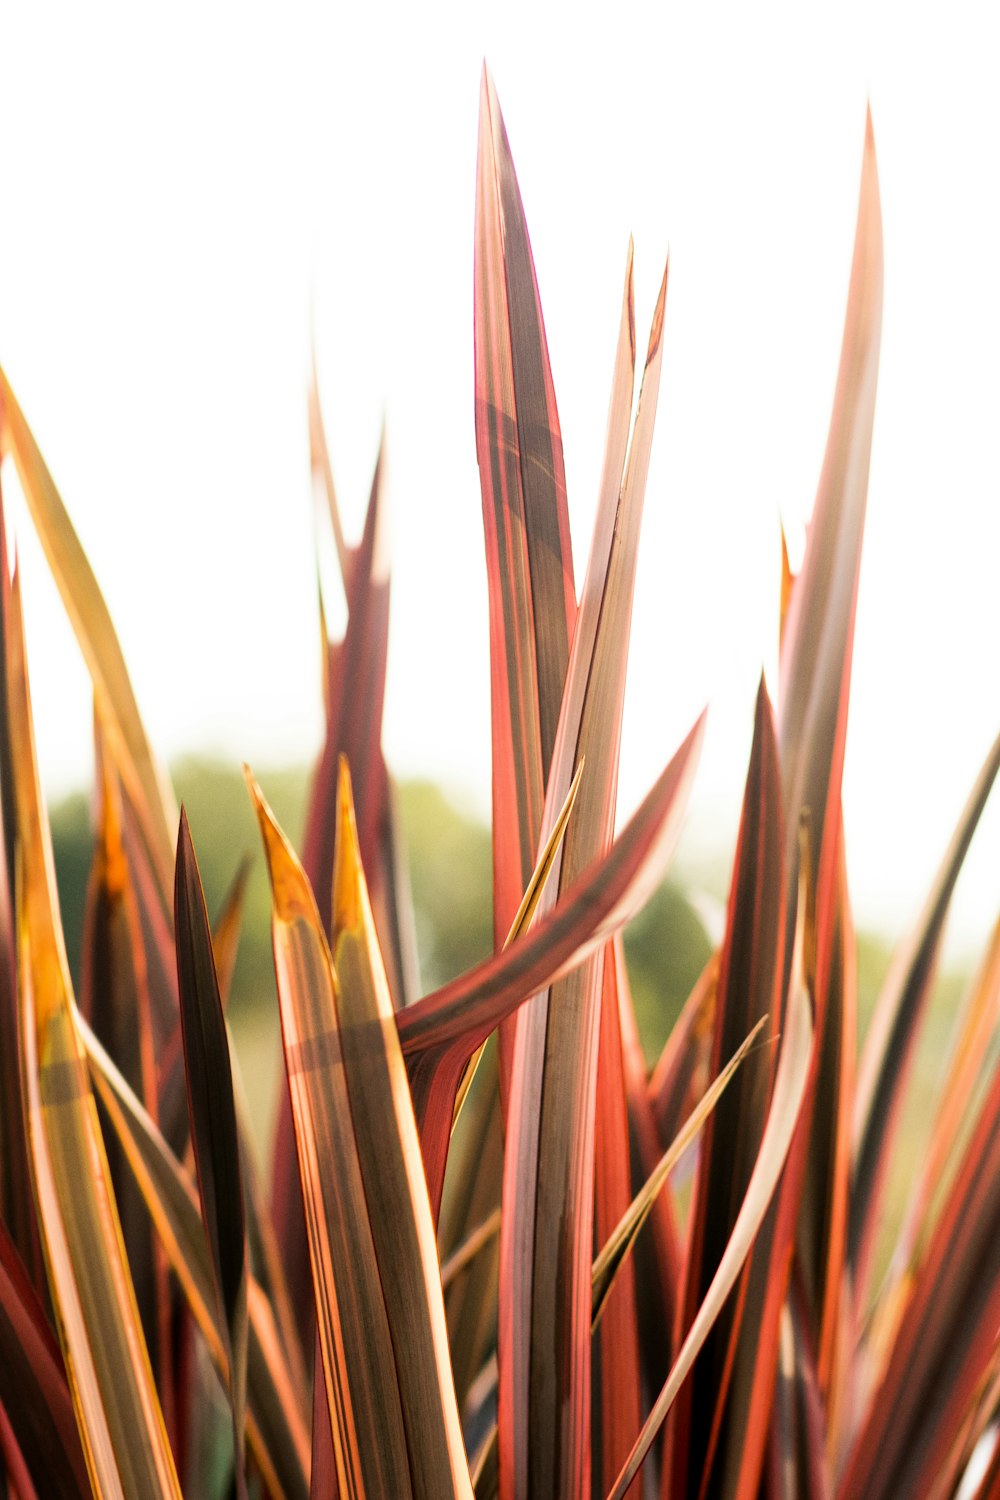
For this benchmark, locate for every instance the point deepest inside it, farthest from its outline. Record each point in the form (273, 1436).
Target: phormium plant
(470, 1273)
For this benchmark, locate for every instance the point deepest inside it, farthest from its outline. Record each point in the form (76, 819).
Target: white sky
(175, 197)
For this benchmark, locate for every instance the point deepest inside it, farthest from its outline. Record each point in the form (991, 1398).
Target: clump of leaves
(470, 1272)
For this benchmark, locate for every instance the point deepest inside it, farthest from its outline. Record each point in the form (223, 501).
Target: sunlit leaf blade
(816, 656)
(529, 564)
(33, 1386)
(440, 1032)
(946, 1342)
(212, 1111)
(379, 1303)
(115, 999)
(791, 1077)
(816, 652)
(546, 1241)
(118, 1412)
(275, 1400)
(888, 1051)
(620, 1242)
(748, 991)
(226, 929)
(91, 622)
(17, 1203)
(787, 584)
(355, 674)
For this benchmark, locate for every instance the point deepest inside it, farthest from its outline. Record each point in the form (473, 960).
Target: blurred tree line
(449, 856)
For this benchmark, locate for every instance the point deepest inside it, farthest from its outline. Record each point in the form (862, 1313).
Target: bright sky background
(176, 196)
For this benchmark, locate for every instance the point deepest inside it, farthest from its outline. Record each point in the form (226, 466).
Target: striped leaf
(380, 1310)
(118, 1411)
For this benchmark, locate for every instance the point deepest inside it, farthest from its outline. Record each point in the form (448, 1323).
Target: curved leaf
(88, 613)
(441, 1031)
(118, 1411)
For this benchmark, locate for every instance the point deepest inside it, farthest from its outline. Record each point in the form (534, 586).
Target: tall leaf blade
(115, 998)
(17, 1203)
(817, 644)
(529, 564)
(546, 1244)
(749, 991)
(117, 1408)
(380, 1309)
(214, 1134)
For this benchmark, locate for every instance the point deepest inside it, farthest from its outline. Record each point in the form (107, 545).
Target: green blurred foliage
(449, 856)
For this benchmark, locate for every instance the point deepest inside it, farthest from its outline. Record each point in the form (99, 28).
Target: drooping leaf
(441, 1031)
(380, 1309)
(526, 911)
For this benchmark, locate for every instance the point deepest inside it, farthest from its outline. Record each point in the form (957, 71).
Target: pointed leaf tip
(293, 896)
(347, 875)
(656, 331)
